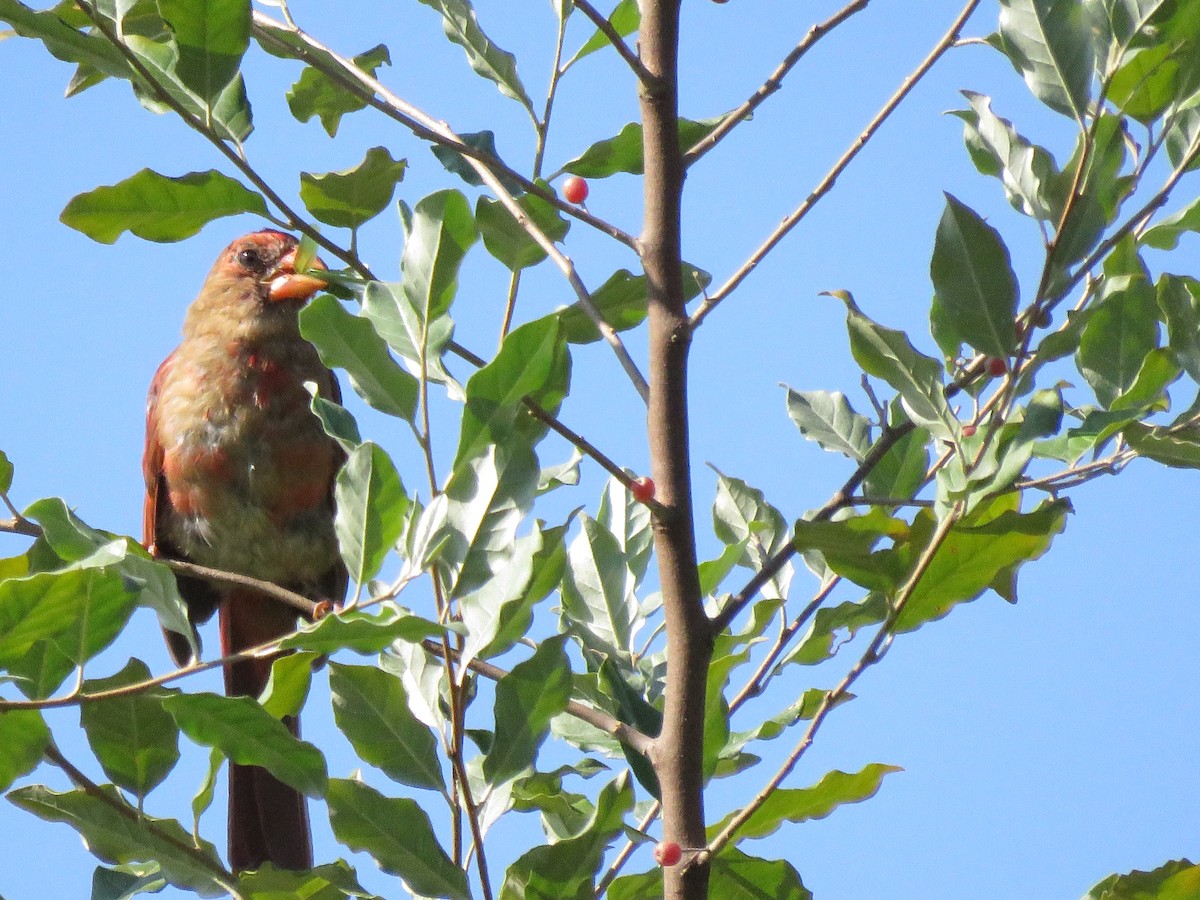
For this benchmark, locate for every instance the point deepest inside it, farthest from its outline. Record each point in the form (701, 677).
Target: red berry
(968, 431)
(996, 366)
(575, 189)
(643, 489)
(668, 853)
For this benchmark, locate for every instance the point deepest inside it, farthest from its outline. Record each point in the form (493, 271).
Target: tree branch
(615, 39)
(773, 83)
(826, 183)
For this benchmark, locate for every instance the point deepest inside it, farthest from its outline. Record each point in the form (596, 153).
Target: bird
(240, 477)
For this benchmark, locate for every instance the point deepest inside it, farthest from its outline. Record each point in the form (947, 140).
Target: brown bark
(678, 753)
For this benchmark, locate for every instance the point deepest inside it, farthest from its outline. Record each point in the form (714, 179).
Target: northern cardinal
(239, 477)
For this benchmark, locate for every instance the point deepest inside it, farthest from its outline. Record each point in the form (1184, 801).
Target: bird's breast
(248, 468)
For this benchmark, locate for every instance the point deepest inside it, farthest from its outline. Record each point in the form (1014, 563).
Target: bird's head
(253, 284)
(267, 259)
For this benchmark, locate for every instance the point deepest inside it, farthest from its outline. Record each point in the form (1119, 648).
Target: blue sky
(1044, 745)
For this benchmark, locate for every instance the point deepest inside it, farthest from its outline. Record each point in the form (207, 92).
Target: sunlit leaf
(348, 198)
(371, 503)
(316, 94)
(158, 207)
(118, 833)
(133, 737)
(398, 834)
(462, 27)
(974, 281)
(371, 708)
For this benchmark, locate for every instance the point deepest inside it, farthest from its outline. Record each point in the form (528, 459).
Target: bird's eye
(250, 258)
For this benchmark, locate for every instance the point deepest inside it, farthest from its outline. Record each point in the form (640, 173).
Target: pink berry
(668, 853)
(968, 431)
(996, 366)
(643, 489)
(575, 189)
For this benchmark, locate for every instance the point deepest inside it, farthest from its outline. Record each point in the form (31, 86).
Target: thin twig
(773, 83)
(618, 42)
(621, 858)
(827, 182)
(310, 608)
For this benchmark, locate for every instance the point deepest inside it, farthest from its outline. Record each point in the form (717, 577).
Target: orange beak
(287, 284)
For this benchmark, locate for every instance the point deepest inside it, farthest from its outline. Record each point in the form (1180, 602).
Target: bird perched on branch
(239, 477)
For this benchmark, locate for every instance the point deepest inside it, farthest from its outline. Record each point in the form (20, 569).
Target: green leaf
(972, 556)
(625, 19)
(371, 708)
(1179, 450)
(742, 514)
(1026, 170)
(316, 94)
(65, 42)
(623, 153)
(888, 354)
(1048, 42)
(398, 834)
(289, 683)
(441, 232)
(974, 281)
(533, 362)
(847, 547)
(338, 423)
(499, 612)
(23, 737)
(371, 504)
(335, 881)
(598, 604)
(732, 876)
(159, 208)
(835, 625)
(52, 622)
(212, 36)
(250, 736)
(363, 632)
(567, 869)
(1122, 330)
(830, 420)
(805, 804)
(403, 326)
(353, 196)
(487, 497)
(507, 240)
(527, 698)
(1175, 880)
(228, 113)
(1101, 191)
(622, 303)
(1165, 234)
(459, 164)
(350, 342)
(630, 522)
(133, 737)
(119, 834)
(462, 27)
(901, 471)
(1147, 82)
(6, 473)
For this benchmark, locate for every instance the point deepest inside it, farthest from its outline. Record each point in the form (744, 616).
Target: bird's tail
(268, 820)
